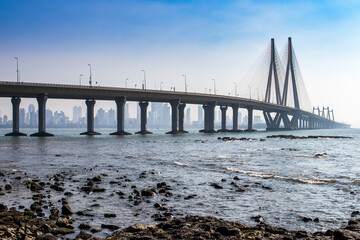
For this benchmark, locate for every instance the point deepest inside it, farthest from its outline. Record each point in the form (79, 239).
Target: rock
(306, 219)
(66, 209)
(3, 208)
(36, 206)
(83, 235)
(68, 194)
(97, 190)
(340, 234)
(95, 230)
(258, 219)
(223, 230)
(217, 186)
(84, 226)
(8, 187)
(110, 227)
(62, 231)
(355, 213)
(109, 215)
(46, 236)
(97, 179)
(161, 185)
(54, 214)
(136, 228)
(190, 196)
(148, 193)
(34, 186)
(236, 178)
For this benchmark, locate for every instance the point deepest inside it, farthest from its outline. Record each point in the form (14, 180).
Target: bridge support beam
(181, 118)
(223, 119)
(174, 116)
(143, 124)
(250, 119)
(235, 108)
(209, 122)
(292, 124)
(120, 105)
(16, 127)
(90, 103)
(41, 99)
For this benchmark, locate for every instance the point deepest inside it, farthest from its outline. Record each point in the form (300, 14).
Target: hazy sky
(55, 40)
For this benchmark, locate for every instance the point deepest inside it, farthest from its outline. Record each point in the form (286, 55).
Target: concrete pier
(16, 127)
(235, 108)
(90, 103)
(181, 118)
(143, 124)
(209, 120)
(250, 119)
(223, 119)
(41, 99)
(120, 106)
(174, 116)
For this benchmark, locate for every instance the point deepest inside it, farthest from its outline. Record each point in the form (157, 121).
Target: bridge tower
(273, 82)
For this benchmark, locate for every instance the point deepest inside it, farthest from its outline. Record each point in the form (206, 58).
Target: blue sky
(55, 40)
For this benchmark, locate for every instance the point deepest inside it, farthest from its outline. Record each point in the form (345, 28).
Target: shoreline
(16, 224)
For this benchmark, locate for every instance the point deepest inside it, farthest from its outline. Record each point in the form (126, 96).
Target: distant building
(257, 119)
(200, 113)
(77, 114)
(188, 116)
(111, 120)
(22, 117)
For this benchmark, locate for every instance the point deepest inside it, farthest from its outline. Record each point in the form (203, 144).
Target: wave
(182, 164)
(315, 181)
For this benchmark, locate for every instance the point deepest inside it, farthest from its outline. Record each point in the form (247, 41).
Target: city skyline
(159, 115)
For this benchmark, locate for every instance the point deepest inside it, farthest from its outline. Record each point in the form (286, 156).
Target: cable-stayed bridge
(285, 103)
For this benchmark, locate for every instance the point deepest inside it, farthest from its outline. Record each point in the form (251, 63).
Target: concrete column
(174, 116)
(223, 119)
(41, 99)
(90, 103)
(250, 119)
(181, 118)
(143, 124)
(120, 105)
(15, 103)
(205, 107)
(235, 108)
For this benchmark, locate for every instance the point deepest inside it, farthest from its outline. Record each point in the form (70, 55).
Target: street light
(126, 80)
(80, 79)
(214, 87)
(185, 83)
(235, 89)
(161, 85)
(17, 70)
(144, 84)
(90, 78)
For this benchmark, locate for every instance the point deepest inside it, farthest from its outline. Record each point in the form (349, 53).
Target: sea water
(280, 179)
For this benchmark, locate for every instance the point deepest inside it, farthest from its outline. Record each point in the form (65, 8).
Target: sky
(204, 40)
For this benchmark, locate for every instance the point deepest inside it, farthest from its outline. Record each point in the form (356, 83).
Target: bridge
(283, 106)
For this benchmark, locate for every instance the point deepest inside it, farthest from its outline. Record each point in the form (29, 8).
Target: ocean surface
(279, 179)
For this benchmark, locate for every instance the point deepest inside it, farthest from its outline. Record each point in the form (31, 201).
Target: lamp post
(185, 83)
(17, 70)
(235, 89)
(80, 79)
(144, 84)
(90, 78)
(214, 87)
(126, 80)
(161, 85)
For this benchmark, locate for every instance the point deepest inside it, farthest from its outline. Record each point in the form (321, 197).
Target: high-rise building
(77, 114)
(188, 116)
(165, 112)
(100, 117)
(200, 114)
(22, 117)
(111, 120)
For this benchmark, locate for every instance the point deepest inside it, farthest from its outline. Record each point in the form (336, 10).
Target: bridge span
(297, 118)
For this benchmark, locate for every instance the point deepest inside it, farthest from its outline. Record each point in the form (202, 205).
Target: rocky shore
(26, 225)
